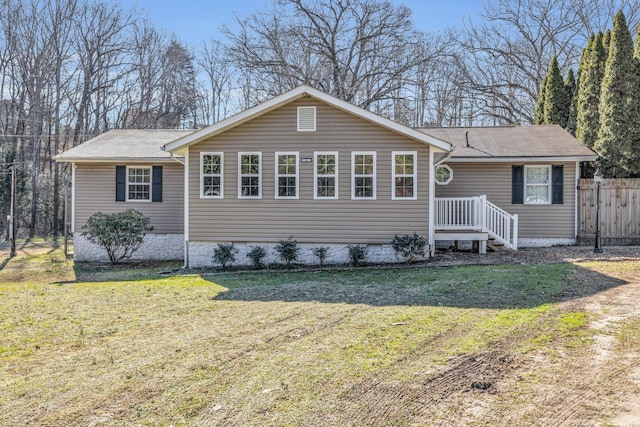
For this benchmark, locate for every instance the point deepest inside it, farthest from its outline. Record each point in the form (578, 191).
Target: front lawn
(468, 345)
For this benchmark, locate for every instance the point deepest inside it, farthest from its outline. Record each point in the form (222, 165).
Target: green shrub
(121, 234)
(409, 247)
(357, 254)
(320, 253)
(257, 254)
(224, 254)
(287, 250)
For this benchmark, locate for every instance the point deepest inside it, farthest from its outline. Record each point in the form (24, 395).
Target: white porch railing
(477, 214)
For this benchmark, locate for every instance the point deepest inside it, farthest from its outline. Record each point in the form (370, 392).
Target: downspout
(186, 209)
(73, 198)
(442, 159)
(575, 201)
(185, 218)
(432, 202)
(173, 157)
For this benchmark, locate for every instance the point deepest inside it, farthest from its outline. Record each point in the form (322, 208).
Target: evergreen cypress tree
(571, 89)
(634, 143)
(606, 41)
(617, 121)
(589, 84)
(636, 50)
(556, 106)
(538, 115)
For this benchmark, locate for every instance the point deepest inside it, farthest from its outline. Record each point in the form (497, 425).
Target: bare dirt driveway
(600, 386)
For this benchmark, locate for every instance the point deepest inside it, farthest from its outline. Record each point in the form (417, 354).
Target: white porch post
(482, 211)
(515, 232)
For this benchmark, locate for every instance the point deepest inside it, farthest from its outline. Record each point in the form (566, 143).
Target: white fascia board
(381, 121)
(287, 97)
(520, 159)
(115, 160)
(235, 120)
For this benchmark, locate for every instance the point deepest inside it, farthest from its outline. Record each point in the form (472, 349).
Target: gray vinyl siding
(95, 191)
(494, 180)
(307, 220)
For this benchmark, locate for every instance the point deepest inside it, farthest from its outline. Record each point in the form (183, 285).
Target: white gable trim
(180, 144)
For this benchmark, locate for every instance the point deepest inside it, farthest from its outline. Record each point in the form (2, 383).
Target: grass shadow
(478, 286)
(132, 271)
(4, 263)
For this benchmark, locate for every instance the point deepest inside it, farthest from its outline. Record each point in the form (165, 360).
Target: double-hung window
(537, 184)
(404, 175)
(363, 175)
(325, 175)
(250, 175)
(139, 183)
(287, 176)
(211, 175)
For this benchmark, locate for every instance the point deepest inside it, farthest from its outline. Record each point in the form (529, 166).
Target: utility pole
(12, 214)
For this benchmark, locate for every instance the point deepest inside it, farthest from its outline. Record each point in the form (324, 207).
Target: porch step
(495, 246)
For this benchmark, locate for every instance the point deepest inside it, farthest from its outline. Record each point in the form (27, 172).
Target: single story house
(308, 165)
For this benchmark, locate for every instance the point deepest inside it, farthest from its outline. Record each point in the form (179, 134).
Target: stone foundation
(156, 247)
(201, 254)
(544, 242)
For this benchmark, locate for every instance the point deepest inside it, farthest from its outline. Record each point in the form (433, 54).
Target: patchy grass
(393, 346)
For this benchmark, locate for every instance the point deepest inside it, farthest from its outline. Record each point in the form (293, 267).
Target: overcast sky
(195, 21)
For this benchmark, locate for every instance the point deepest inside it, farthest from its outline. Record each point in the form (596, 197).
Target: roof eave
(163, 159)
(507, 159)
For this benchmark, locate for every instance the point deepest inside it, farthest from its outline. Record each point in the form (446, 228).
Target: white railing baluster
(477, 213)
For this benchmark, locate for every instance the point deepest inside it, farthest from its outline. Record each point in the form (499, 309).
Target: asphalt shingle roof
(485, 143)
(511, 141)
(125, 144)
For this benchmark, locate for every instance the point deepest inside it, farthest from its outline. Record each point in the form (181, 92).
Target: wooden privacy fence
(619, 211)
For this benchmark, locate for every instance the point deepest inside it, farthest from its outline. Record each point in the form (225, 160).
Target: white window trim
(307, 108)
(316, 175)
(450, 174)
(353, 174)
(240, 175)
(203, 175)
(126, 189)
(414, 175)
(548, 185)
(296, 176)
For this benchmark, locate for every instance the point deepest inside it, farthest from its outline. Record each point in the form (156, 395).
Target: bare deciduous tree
(219, 76)
(502, 60)
(360, 51)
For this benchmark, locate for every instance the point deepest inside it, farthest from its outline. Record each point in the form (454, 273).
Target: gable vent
(306, 119)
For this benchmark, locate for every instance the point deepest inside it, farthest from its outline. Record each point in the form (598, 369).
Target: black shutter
(517, 185)
(156, 187)
(557, 181)
(121, 183)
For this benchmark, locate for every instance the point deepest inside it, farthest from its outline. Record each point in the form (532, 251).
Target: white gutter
(455, 159)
